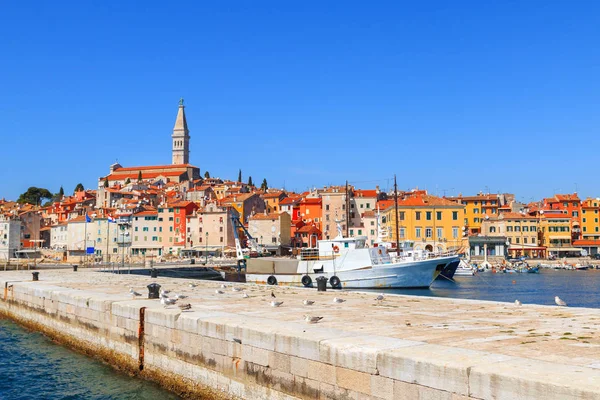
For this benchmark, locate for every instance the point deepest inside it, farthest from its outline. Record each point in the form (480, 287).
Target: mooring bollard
(153, 291)
(75, 267)
(321, 284)
(153, 273)
(36, 276)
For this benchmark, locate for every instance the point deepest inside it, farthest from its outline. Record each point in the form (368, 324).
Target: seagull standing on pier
(219, 291)
(165, 301)
(559, 302)
(379, 297)
(312, 320)
(193, 285)
(236, 289)
(308, 302)
(517, 303)
(276, 303)
(338, 300)
(245, 295)
(180, 296)
(134, 293)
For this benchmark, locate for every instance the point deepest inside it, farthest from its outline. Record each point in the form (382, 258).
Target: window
(476, 211)
(532, 229)
(160, 228)
(525, 229)
(492, 229)
(368, 205)
(440, 233)
(327, 207)
(220, 229)
(170, 218)
(170, 229)
(361, 206)
(145, 229)
(418, 232)
(584, 220)
(418, 215)
(360, 231)
(428, 215)
(455, 232)
(525, 240)
(155, 238)
(575, 204)
(402, 233)
(99, 240)
(221, 239)
(438, 215)
(273, 239)
(517, 228)
(509, 228)
(428, 232)
(476, 220)
(518, 240)
(454, 215)
(177, 220)
(372, 231)
(401, 215)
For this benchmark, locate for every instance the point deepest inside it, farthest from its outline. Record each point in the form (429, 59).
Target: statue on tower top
(181, 101)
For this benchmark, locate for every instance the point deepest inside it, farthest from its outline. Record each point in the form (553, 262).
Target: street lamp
(206, 262)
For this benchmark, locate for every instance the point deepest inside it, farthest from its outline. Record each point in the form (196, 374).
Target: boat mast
(347, 211)
(396, 207)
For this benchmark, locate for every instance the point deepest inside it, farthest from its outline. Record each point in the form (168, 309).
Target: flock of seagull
(167, 300)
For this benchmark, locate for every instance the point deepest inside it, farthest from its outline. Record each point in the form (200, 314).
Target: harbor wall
(216, 354)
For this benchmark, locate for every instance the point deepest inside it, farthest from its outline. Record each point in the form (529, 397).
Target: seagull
(517, 303)
(167, 302)
(308, 302)
(163, 291)
(180, 296)
(379, 297)
(223, 286)
(236, 289)
(245, 295)
(185, 307)
(134, 293)
(338, 300)
(559, 301)
(219, 291)
(273, 295)
(312, 320)
(193, 285)
(276, 303)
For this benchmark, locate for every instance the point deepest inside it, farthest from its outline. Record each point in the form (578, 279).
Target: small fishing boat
(464, 269)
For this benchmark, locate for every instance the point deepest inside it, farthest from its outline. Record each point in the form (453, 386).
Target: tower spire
(181, 137)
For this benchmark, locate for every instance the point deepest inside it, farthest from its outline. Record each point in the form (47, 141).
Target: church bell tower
(181, 138)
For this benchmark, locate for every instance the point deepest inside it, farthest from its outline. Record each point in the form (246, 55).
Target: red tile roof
(365, 193)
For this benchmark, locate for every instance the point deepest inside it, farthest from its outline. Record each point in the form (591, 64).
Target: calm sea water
(33, 367)
(577, 288)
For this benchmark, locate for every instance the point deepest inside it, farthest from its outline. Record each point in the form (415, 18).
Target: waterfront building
(569, 204)
(209, 228)
(291, 205)
(519, 231)
(476, 208)
(146, 234)
(307, 236)
(333, 208)
(272, 231)
(310, 210)
(368, 228)
(433, 223)
(556, 233)
(59, 236)
(10, 236)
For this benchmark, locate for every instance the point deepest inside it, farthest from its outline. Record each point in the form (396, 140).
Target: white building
(10, 236)
(59, 236)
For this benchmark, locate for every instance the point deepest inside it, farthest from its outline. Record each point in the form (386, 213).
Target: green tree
(79, 188)
(34, 196)
(207, 175)
(240, 176)
(106, 183)
(264, 185)
(127, 181)
(140, 176)
(250, 183)
(61, 192)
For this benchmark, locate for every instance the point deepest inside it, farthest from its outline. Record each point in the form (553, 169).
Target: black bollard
(75, 267)
(36, 276)
(153, 273)
(321, 284)
(153, 291)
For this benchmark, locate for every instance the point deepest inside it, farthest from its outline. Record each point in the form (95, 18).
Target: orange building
(310, 209)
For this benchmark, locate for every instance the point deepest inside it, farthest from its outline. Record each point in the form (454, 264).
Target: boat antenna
(396, 207)
(347, 211)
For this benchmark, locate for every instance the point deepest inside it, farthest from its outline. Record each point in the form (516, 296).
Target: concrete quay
(227, 346)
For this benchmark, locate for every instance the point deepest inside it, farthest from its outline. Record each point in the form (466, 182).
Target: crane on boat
(253, 244)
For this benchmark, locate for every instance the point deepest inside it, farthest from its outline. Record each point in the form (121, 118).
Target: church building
(179, 171)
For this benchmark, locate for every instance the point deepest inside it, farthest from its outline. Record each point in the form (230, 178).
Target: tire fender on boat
(306, 281)
(335, 282)
(271, 280)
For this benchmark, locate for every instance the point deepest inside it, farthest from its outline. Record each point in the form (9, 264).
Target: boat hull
(449, 271)
(417, 274)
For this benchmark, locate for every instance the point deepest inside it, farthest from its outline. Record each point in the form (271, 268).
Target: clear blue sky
(454, 96)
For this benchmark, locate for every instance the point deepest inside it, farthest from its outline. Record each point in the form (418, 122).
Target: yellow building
(590, 215)
(556, 234)
(520, 232)
(433, 223)
(476, 208)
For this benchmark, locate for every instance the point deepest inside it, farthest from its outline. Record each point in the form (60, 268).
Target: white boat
(348, 263)
(464, 269)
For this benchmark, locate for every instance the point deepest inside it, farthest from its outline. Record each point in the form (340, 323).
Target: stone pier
(227, 346)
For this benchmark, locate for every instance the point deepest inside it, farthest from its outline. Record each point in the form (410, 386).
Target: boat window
(346, 244)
